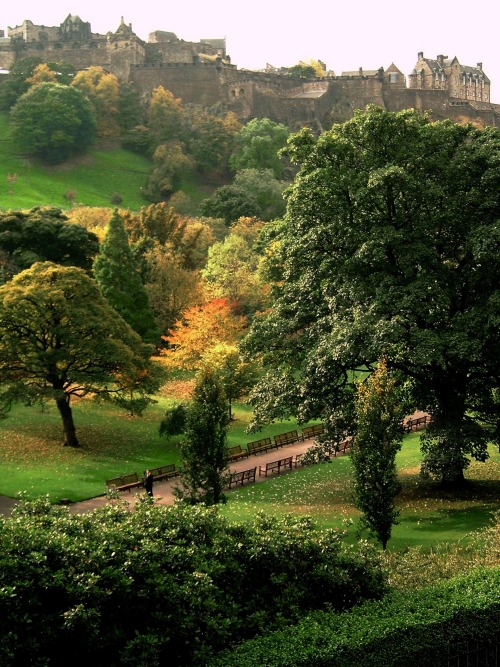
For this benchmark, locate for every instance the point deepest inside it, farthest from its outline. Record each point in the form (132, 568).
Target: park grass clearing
(34, 462)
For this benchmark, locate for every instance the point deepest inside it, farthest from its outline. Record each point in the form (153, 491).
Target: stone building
(459, 81)
(202, 73)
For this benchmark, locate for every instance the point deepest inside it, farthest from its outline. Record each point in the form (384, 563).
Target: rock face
(202, 73)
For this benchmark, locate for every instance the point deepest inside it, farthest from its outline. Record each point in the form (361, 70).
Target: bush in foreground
(162, 585)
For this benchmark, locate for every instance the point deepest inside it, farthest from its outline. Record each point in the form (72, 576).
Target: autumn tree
(170, 166)
(60, 338)
(102, 89)
(204, 446)
(200, 328)
(170, 286)
(378, 439)
(118, 276)
(163, 116)
(53, 122)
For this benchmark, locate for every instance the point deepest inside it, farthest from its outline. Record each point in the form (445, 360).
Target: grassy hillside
(93, 178)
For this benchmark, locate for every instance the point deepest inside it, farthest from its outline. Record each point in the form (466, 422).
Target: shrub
(419, 629)
(96, 588)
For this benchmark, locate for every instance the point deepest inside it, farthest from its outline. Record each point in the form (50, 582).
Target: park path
(163, 491)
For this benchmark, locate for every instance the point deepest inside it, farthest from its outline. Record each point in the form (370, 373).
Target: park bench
(164, 472)
(124, 482)
(242, 476)
(312, 431)
(277, 466)
(343, 446)
(297, 460)
(262, 445)
(415, 423)
(236, 452)
(287, 438)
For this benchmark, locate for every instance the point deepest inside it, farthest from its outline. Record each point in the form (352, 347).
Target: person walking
(148, 483)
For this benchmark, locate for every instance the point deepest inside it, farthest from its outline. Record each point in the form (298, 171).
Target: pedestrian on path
(148, 483)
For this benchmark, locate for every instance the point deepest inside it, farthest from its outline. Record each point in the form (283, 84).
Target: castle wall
(196, 83)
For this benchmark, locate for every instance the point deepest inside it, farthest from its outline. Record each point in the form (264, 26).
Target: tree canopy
(391, 247)
(43, 234)
(257, 146)
(53, 122)
(60, 338)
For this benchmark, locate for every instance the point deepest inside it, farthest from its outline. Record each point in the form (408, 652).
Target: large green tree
(118, 276)
(391, 246)
(59, 338)
(53, 122)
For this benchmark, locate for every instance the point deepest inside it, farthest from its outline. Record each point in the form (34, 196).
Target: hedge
(421, 628)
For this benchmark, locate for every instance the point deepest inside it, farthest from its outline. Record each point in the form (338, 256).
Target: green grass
(33, 460)
(94, 178)
(428, 515)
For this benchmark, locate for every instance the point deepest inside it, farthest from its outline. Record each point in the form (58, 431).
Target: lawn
(34, 461)
(92, 179)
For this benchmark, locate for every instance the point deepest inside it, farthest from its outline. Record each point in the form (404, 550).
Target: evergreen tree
(118, 276)
(373, 454)
(204, 449)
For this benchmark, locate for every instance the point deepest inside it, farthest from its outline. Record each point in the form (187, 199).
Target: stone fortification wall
(196, 83)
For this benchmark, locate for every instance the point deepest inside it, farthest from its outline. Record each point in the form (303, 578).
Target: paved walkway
(163, 491)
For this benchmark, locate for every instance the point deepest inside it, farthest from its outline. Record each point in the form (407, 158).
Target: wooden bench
(312, 431)
(277, 466)
(236, 452)
(164, 472)
(343, 446)
(262, 445)
(288, 438)
(124, 482)
(242, 476)
(297, 460)
(415, 423)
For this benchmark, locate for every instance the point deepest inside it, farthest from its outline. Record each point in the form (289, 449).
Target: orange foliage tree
(200, 328)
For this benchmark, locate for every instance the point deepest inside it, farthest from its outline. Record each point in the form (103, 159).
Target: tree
(236, 375)
(44, 234)
(171, 288)
(204, 449)
(118, 276)
(200, 328)
(258, 144)
(102, 89)
(231, 273)
(170, 166)
(164, 116)
(230, 202)
(53, 122)
(17, 81)
(391, 247)
(373, 453)
(302, 70)
(60, 338)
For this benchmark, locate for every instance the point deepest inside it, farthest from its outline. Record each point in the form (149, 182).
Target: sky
(344, 35)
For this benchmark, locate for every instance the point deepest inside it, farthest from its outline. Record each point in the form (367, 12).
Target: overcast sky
(344, 35)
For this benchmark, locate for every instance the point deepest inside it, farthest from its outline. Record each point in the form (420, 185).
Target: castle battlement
(202, 73)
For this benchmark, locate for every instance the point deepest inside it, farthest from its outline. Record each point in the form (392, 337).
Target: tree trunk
(66, 413)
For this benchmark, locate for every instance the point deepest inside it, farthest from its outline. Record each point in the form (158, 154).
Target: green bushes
(421, 629)
(162, 585)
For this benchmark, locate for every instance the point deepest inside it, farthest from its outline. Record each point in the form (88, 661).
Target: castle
(202, 73)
